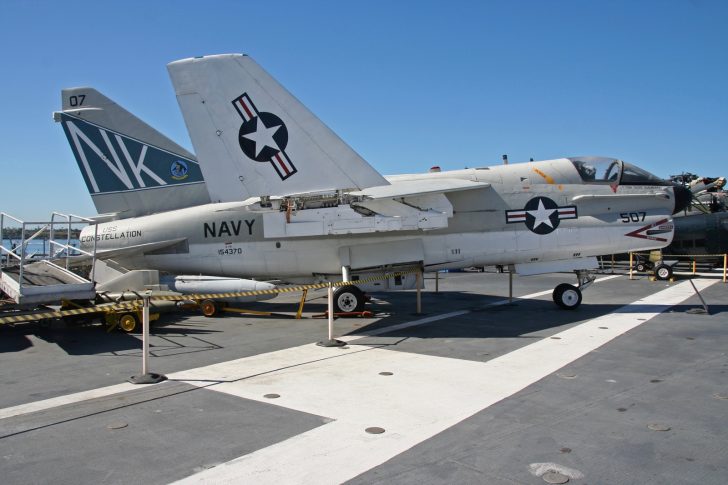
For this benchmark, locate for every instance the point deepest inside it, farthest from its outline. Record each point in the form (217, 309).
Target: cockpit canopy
(610, 171)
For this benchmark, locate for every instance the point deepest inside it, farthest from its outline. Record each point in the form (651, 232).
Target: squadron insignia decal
(541, 215)
(650, 231)
(179, 170)
(263, 137)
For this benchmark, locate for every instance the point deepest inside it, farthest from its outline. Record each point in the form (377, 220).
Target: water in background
(38, 246)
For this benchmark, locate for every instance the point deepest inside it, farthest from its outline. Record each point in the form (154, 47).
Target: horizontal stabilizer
(255, 137)
(129, 251)
(138, 249)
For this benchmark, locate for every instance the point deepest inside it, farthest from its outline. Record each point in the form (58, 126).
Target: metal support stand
(331, 342)
(299, 313)
(419, 291)
(437, 282)
(630, 265)
(146, 377)
(705, 305)
(346, 273)
(510, 287)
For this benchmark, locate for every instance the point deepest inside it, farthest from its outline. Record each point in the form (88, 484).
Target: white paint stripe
(218, 372)
(425, 396)
(62, 400)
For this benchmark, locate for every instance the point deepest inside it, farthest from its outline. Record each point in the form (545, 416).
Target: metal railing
(56, 249)
(680, 257)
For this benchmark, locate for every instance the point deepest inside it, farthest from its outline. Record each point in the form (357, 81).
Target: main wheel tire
(567, 296)
(209, 308)
(128, 322)
(663, 272)
(348, 299)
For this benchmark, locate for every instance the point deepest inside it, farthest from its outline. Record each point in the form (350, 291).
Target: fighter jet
(292, 201)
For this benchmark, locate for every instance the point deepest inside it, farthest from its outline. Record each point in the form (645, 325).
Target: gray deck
(589, 419)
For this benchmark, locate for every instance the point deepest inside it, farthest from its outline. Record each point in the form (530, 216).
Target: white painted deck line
(425, 396)
(214, 372)
(67, 399)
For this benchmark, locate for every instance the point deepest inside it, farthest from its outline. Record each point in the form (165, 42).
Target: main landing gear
(568, 296)
(348, 299)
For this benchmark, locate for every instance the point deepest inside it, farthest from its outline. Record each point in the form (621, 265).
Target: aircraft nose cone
(683, 198)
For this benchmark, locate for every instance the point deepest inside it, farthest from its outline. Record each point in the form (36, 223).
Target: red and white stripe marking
(286, 167)
(245, 107)
(567, 212)
(515, 216)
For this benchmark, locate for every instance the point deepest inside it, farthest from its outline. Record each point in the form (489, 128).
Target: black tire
(567, 296)
(663, 272)
(641, 267)
(348, 299)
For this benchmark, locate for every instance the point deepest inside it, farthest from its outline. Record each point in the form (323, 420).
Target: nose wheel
(568, 296)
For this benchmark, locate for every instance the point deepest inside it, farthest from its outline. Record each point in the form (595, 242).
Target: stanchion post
(419, 290)
(330, 302)
(694, 266)
(145, 336)
(612, 264)
(146, 377)
(725, 266)
(510, 286)
(437, 282)
(331, 342)
(630, 265)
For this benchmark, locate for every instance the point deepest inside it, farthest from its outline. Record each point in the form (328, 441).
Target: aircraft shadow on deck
(518, 320)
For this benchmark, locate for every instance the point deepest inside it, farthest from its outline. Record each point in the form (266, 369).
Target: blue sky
(407, 84)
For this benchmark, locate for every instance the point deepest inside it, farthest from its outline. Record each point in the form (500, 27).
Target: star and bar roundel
(263, 137)
(541, 215)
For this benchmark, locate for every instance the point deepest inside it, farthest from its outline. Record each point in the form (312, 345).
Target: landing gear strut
(568, 296)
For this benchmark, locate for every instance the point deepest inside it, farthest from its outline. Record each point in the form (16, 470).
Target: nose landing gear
(568, 296)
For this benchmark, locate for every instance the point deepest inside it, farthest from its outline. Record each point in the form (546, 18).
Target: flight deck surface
(629, 388)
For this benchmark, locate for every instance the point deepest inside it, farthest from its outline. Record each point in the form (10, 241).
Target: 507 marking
(632, 216)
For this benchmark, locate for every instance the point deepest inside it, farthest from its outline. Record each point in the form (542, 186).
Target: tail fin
(130, 168)
(257, 133)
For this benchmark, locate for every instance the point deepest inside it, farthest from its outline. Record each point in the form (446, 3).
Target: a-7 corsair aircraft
(292, 201)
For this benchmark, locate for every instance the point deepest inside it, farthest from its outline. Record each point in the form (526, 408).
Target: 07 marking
(76, 100)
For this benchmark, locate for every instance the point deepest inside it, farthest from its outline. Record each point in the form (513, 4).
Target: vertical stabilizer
(129, 167)
(255, 138)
